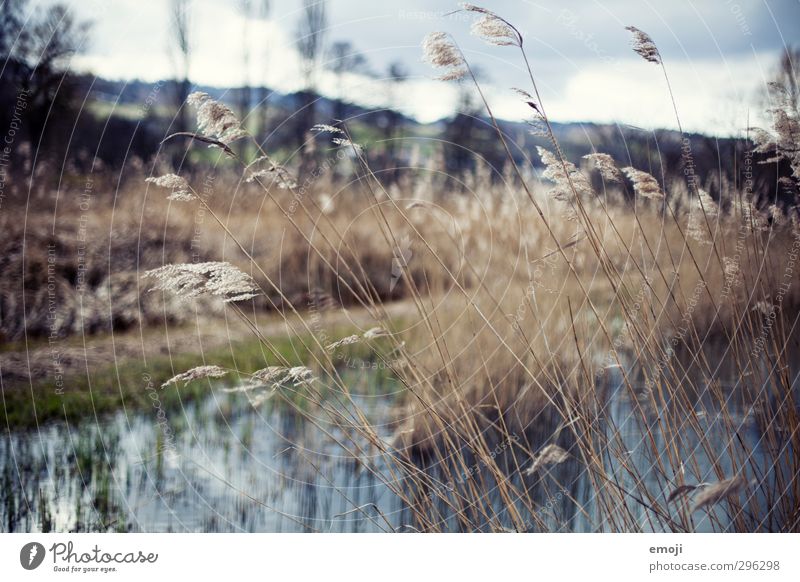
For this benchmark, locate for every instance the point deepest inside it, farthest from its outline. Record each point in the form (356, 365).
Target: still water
(219, 465)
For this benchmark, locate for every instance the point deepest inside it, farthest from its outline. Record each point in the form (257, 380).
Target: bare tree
(36, 57)
(245, 91)
(264, 14)
(788, 73)
(311, 39)
(11, 17)
(180, 22)
(310, 43)
(467, 135)
(246, 11)
(397, 75)
(782, 143)
(344, 59)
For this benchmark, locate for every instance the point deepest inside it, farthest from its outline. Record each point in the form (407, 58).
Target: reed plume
(644, 184)
(549, 455)
(196, 373)
(644, 46)
(181, 191)
(191, 280)
(440, 51)
(717, 492)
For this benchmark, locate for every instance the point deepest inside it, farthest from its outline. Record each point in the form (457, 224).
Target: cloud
(718, 54)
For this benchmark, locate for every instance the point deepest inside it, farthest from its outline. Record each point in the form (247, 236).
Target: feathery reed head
(644, 46)
(680, 491)
(196, 374)
(781, 143)
(752, 218)
(325, 128)
(493, 29)
(703, 211)
(440, 51)
(345, 341)
(215, 119)
(181, 191)
(346, 143)
(268, 375)
(644, 184)
(299, 375)
(326, 203)
(567, 183)
(263, 383)
(717, 492)
(604, 164)
(528, 99)
(374, 332)
(274, 376)
(370, 334)
(219, 279)
(549, 455)
(271, 171)
(339, 141)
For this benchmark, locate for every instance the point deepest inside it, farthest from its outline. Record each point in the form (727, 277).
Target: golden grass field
(525, 301)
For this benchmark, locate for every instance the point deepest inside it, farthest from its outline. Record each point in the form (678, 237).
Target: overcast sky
(719, 53)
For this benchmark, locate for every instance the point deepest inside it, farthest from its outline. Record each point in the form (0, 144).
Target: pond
(219, 465)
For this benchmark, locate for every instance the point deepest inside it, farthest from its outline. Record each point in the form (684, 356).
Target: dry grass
(532, 308)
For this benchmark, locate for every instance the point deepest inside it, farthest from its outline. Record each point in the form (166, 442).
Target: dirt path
(39, 359)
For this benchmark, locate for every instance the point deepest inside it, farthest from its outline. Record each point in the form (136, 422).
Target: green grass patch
(130, 384)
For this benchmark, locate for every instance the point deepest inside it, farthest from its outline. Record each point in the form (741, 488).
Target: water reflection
(225, 467)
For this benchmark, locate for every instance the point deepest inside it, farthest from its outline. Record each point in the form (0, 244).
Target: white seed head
(644, 46)
(604, 164)
(346, 341)
(452, 75)
(473, 8)
(219, 279)
(346, 143)
(263, 383)
(180, 187)
(696, 227)
(720, 491)
(644, 184)
(781, 144)
(752, 218)
(214, 119)
(440, 51)
(776, 215)
(374, 332)
(299, 375)
(196, 374)
(567, 183)
(703, 212)
(549, 455)
(494, 30)
(528, 99)
(326, 203)
(276, 174)
(324, 128)
(269, 375)
(522, 93)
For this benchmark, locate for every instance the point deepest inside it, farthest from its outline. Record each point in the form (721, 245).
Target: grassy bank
(89, 390)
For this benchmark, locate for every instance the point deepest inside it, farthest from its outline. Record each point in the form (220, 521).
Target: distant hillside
(149, 108)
